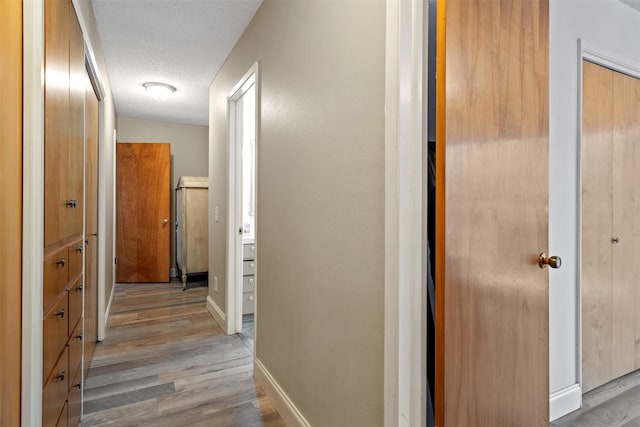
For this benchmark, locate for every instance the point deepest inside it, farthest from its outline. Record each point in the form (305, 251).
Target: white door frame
(405, 214)
(234, 197)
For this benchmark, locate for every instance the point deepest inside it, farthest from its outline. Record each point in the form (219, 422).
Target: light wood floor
(165, 362)
(615, 404)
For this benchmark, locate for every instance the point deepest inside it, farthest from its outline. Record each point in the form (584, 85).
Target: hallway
(165, 362)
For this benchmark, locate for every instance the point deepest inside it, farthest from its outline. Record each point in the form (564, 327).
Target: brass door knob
(552, 261)
(164, 221)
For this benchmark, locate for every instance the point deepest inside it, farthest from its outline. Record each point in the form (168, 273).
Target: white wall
(610, 25)
(189, 152)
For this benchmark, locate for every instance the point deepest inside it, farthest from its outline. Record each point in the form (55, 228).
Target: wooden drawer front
(248, 302)
(75, 258)
(249, 283)
(75, 353)
(75, 400)
(56, 275)
(55, 334)
(248, 268)
(55, 392)
(75, 303)
(63, 421)
(248, 251)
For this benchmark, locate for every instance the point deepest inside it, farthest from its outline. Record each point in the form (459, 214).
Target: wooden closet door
(56, 111)
(610, 225)
(492, 298)
(75, 175)
(10, 210)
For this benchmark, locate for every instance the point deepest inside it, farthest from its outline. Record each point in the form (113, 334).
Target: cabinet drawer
(56, 275)
(55, 333)
(248, 251)
(55, 392)
(248, 268)
(75, 258)
(75, 352)
(75, 400)
(248, 283)
(248, 302)
(75, 302)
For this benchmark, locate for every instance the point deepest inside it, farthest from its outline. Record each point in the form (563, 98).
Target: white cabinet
(192, 227)
(248, 277)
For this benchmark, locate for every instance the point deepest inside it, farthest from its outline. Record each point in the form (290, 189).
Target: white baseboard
(565, 401)
(108, 310)
(283, 404)
(217, 313)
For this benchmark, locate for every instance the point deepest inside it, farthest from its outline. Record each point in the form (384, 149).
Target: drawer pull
(253, 264)
(71, 203)
(79, 288)
(251, 280)
(60, 376)
(78, 386)
(60, 313)
(251, 298)
(61, 261)
(78, 249)
(253, 248)
(79, 337)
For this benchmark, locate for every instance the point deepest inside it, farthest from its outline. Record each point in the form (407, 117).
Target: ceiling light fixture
(159, 90)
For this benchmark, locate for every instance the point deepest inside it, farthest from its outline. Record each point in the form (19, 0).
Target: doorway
(243, 107)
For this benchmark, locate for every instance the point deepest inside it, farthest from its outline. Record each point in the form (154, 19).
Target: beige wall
(189, 152)
(320, 201)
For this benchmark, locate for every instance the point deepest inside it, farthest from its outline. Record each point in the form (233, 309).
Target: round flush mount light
(159, 90)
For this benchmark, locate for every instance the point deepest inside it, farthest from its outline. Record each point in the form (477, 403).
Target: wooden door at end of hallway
(142, 212)
(10, 211)
(492, 327)
(610, 225)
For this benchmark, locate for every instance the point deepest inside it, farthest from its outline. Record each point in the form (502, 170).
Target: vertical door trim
(570, 399)
(233, 290)
(33, 205)
(405, 215)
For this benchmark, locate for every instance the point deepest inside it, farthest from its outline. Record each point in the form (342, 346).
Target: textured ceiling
(180, 42)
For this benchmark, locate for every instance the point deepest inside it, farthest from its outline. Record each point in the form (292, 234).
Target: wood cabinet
(63, 215)
(192, 225)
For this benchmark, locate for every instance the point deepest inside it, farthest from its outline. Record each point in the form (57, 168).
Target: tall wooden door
(492, 356)
(91, 224)
(610, 225)
(10, 210)
(142, 212)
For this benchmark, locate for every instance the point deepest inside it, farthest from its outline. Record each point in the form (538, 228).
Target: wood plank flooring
(615, 404)
(165, 362)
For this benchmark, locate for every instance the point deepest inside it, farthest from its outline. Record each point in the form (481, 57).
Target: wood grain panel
(597, 198)
(610, 224)
(75, 401)
(496, 351)
(63, 420)
(75, 303)
(56, 111)
(54, 394)
(75, 176)
(55, 334)
(75, 258)
(75, 356)
(10, 210)
(56, 275)
(625, 225)
(142, 202)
